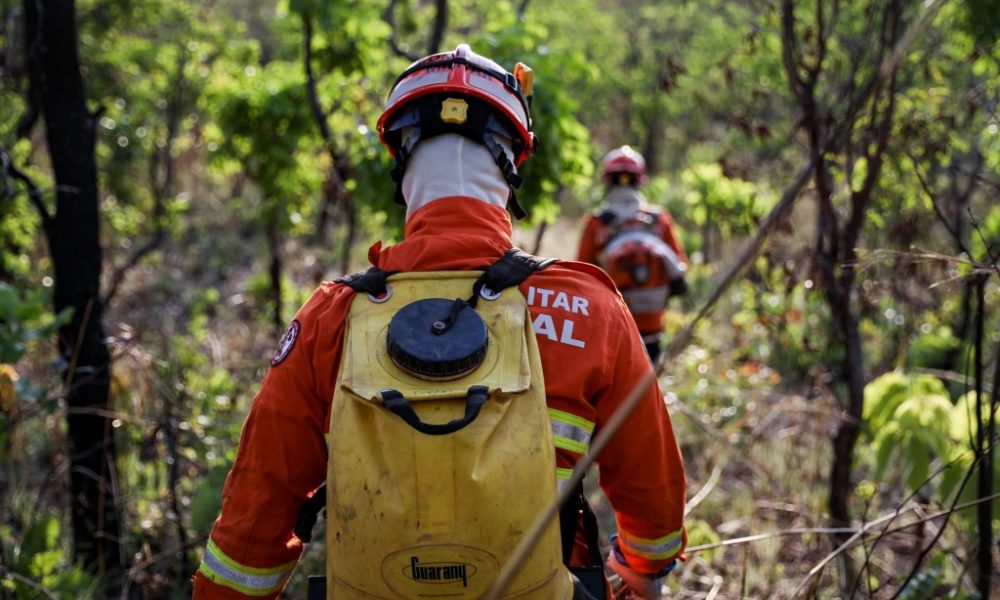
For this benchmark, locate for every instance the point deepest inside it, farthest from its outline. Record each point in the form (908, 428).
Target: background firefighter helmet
(624, 166)
(464, 93)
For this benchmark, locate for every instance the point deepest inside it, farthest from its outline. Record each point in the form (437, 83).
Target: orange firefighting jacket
(591, 358)
(596, 235)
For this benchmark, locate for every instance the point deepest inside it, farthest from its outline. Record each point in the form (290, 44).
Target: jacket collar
(455, 233)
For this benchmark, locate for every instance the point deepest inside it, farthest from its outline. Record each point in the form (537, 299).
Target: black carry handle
(474, 400)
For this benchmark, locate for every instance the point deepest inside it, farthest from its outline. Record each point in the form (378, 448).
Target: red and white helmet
(466, 74)
(624, 161)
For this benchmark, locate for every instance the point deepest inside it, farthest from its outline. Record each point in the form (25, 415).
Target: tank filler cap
(417, 345)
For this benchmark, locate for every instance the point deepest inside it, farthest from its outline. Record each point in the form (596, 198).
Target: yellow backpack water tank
(418, 516)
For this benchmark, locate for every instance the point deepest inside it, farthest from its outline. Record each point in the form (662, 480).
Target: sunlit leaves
(914, 423)
(982, 20)
(884, 395)
(24, 317)
(41, 558)
(731, 205)
(264, 125)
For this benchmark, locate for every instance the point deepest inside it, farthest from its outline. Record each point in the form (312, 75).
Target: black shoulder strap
(514, 267)
(372, 281)
(606, 216)
(576, 509)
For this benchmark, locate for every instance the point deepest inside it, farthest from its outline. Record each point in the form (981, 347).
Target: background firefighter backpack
(642, 265)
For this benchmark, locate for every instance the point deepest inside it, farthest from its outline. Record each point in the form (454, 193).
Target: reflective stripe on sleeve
(658, 549)
(570, 432)
(562, 478)
(224, 571)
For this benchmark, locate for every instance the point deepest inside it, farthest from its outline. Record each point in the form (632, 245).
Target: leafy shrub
(24, 317)
(912, 419)
(39, 561)
(885, 394)
(933, 350)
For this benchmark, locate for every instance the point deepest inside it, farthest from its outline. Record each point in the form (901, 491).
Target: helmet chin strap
(452, 165)
(509, 171)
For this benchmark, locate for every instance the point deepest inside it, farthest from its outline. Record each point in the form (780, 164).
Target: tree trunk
(73, 238)
(984, 445)
(847, 433)
(350, 234)
(990, 449)
(274, 270)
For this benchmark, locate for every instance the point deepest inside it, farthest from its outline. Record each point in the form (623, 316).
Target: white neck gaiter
(623, 201)
(452, 165)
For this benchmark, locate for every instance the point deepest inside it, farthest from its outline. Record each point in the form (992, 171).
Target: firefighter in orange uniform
(635, 243)
(457, 183)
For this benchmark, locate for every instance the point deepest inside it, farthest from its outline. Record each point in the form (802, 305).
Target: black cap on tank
(431, 339)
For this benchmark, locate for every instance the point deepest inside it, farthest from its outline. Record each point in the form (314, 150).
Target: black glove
(678, 286)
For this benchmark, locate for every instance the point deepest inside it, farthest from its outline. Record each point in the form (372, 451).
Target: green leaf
(207, 501)
(41, 537)
(918, 463)
(884, 394)
(884, 444)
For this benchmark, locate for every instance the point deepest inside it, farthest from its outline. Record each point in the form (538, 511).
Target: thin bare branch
(311, 82)
(986, 243)
(390, 18)
(339, 165)
(440, 24)
(791, 52)
(947, 515)
(931, 477)
(692, 550)
(925, 185)
(119, 275)
(822, 39)
(880, 125)
(859, 532)
(161, 186)
(522, 9)
(551, 511)
(34, 192)
(720, 437)
(30, 583)
(705, 490)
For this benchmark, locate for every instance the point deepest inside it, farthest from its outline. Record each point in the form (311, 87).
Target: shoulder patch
(286, 343)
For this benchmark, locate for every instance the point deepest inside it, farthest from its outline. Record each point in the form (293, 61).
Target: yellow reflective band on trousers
(224, 571)
(658, 549)
(412, 515)
(570, 432)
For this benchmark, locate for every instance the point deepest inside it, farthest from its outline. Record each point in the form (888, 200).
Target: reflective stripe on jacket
(591, 358)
